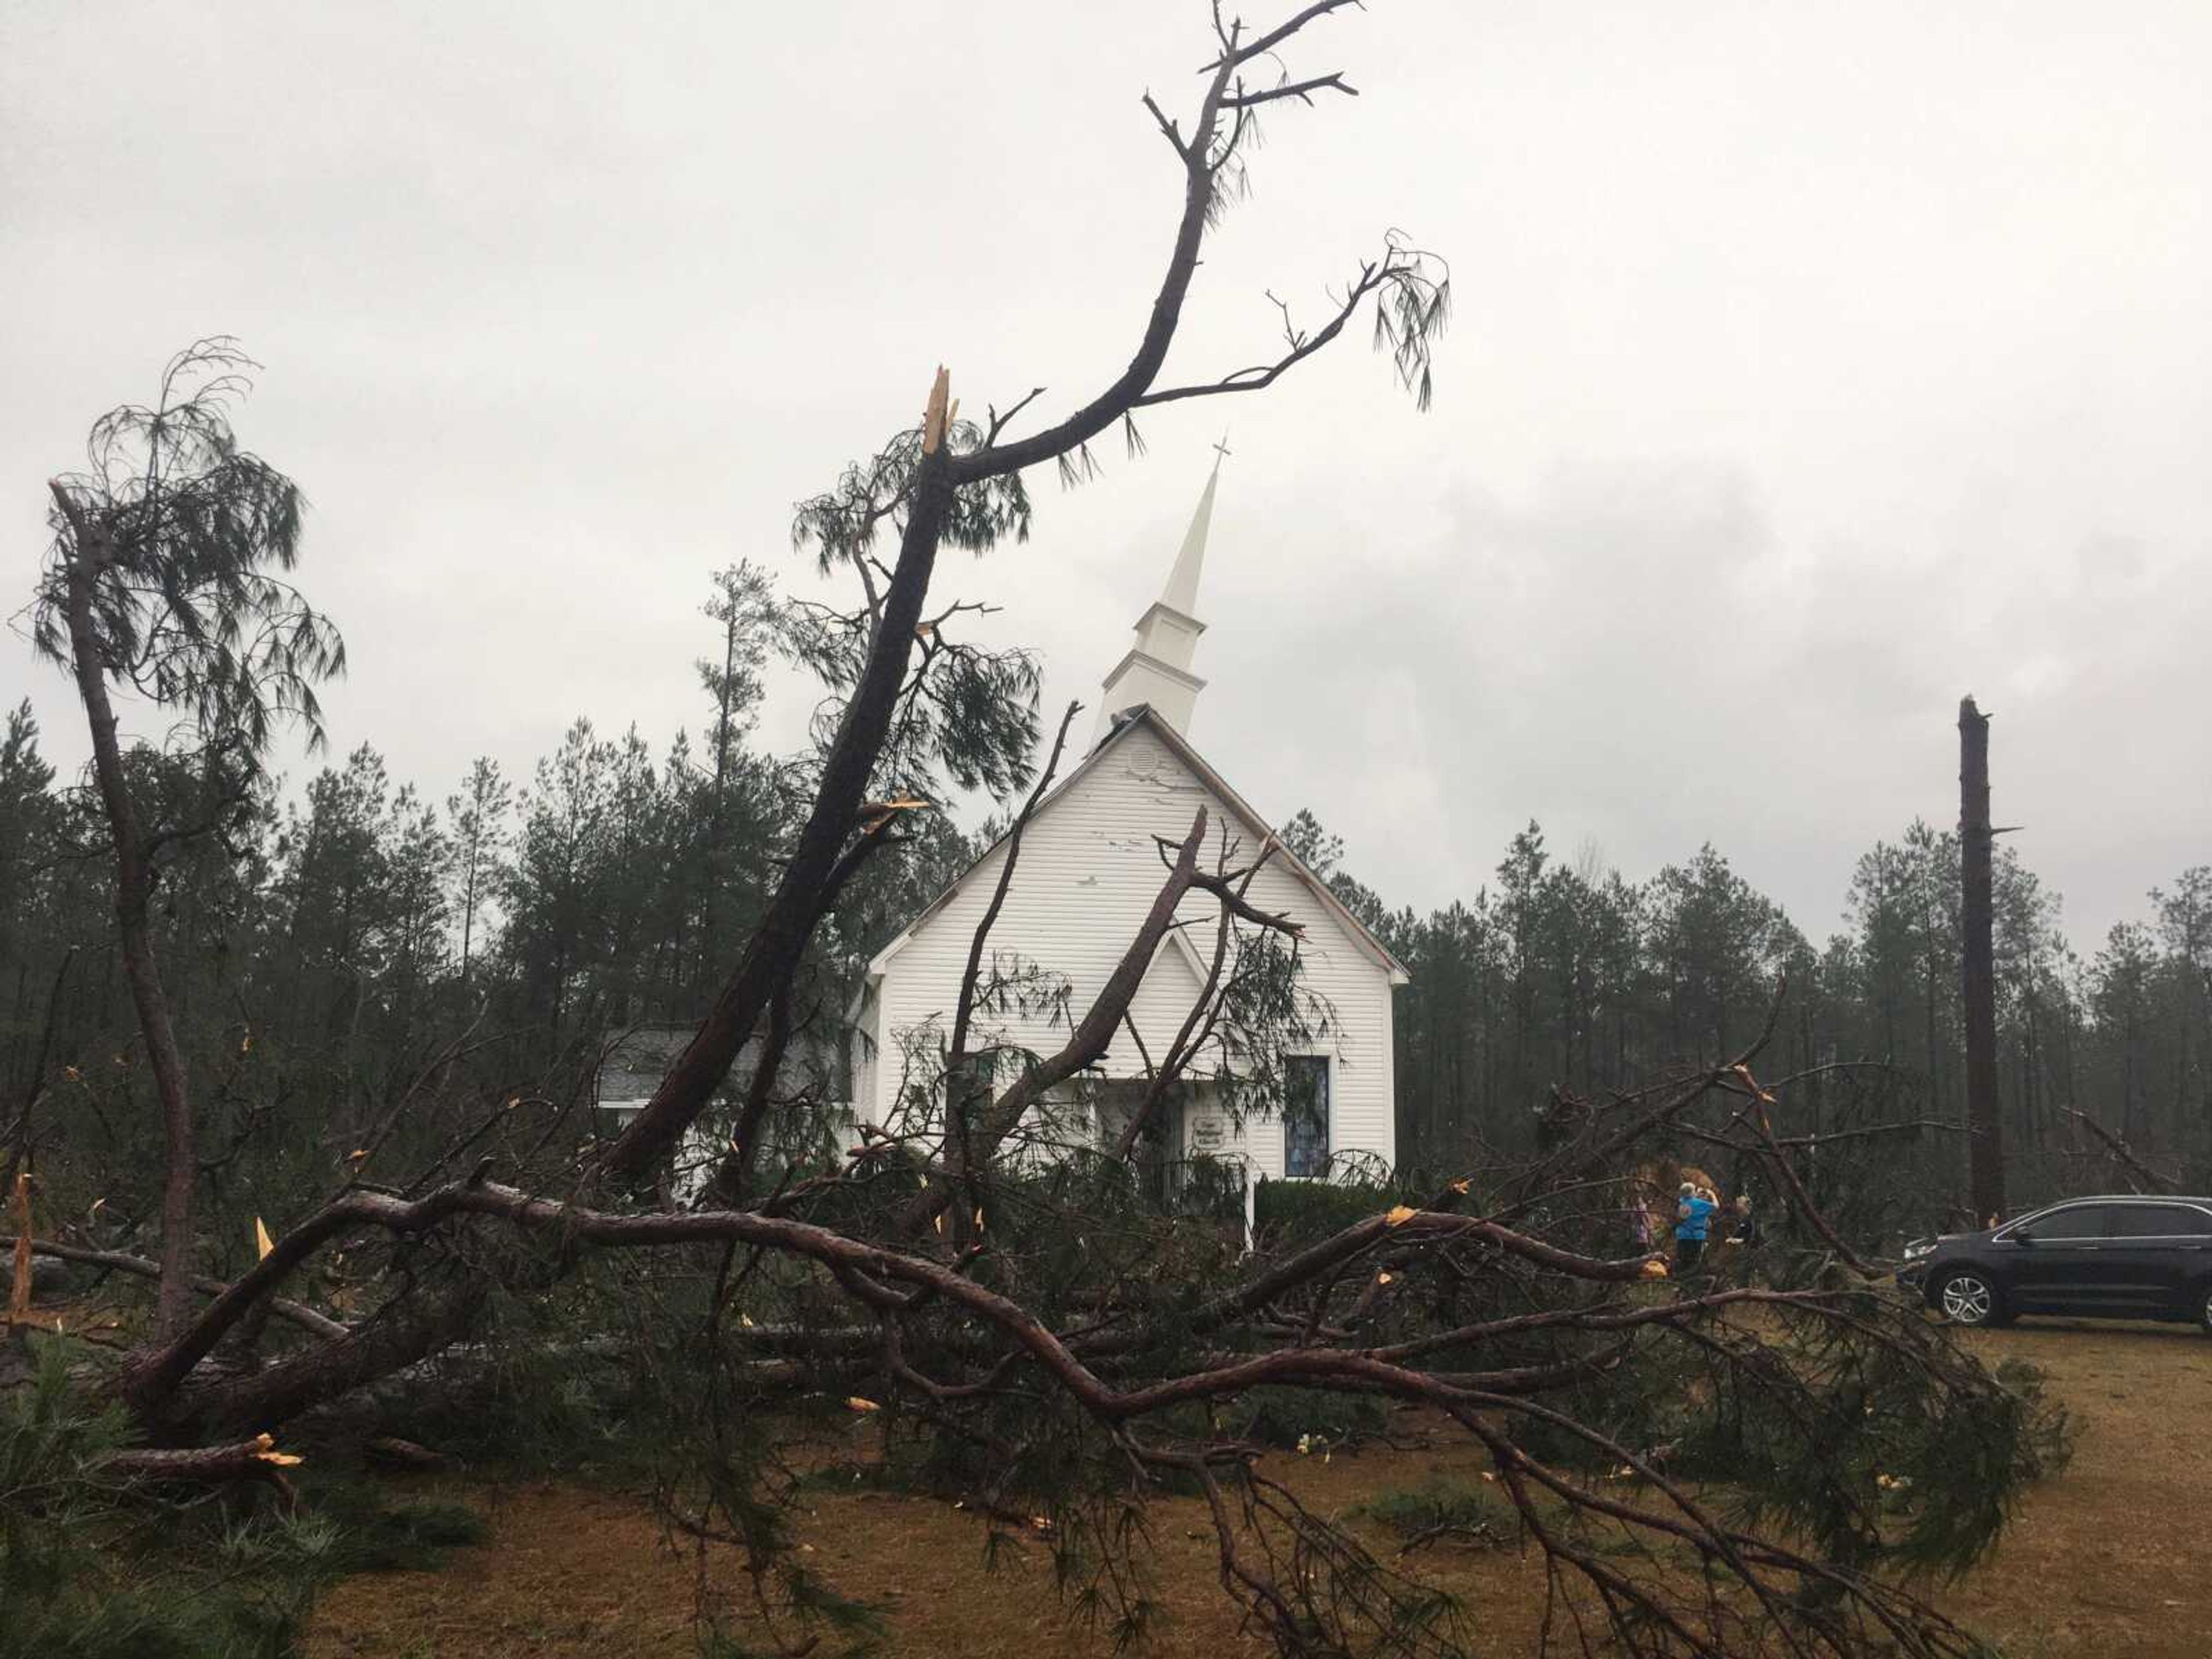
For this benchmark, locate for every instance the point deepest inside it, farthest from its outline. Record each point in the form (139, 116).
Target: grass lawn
(2106, 1561)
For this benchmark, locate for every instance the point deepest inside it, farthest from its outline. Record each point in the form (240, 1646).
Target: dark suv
(2107, 1258)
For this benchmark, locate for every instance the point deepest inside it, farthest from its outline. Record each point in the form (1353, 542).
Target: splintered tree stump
(1986, 1171)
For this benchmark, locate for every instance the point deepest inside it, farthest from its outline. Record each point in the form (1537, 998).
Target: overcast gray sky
(1812, 365)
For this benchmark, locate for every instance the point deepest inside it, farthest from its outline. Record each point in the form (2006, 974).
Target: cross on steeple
(1222, 449)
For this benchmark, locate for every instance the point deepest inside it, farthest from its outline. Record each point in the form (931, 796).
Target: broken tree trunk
(19, 1301)
(1985, 1181)
(256, 1459)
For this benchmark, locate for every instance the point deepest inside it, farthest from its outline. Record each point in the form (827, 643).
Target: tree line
(336, 939)
(352, 929)
(1564, 974)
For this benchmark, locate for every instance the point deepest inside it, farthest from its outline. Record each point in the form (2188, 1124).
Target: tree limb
(137, 1267)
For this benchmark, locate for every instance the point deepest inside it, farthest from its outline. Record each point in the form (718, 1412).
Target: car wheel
(2204, 1307)
(1969, 1299)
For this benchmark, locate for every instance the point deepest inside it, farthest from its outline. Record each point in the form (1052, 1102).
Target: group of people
(1694, 1212)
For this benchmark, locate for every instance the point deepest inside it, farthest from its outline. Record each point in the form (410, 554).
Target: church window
(1305, 1114)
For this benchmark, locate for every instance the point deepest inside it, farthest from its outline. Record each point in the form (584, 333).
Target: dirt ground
(2107, 1561)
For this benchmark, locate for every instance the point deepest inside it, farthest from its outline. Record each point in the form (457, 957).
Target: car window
(2158, 1221)
(2078, 1221)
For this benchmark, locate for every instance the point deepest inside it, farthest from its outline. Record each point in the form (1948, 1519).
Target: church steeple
(1156, 670)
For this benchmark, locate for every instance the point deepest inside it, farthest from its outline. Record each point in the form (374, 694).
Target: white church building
(1089, 871)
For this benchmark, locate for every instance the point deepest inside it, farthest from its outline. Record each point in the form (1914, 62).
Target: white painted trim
(1162, 607)
(1199, 964)
(882, 959)
(1167, 671)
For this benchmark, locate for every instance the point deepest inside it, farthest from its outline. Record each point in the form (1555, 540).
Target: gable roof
(1176, 744)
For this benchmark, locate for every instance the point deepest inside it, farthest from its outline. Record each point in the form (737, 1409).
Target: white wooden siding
(1088, 872)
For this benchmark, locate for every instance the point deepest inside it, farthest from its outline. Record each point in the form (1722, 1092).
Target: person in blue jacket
(1693, 1221)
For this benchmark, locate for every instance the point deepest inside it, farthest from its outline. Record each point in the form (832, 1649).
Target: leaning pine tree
(167, 580)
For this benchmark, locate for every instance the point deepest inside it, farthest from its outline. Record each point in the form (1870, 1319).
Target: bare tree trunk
(19, 1302)
(1985, 1174)
(773, 953)
(134, 888)
(468, 917)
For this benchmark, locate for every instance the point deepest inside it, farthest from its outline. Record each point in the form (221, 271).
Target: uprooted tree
(1705, 1467)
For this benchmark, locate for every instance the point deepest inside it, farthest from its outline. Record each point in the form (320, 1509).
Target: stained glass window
(1305, 1114)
